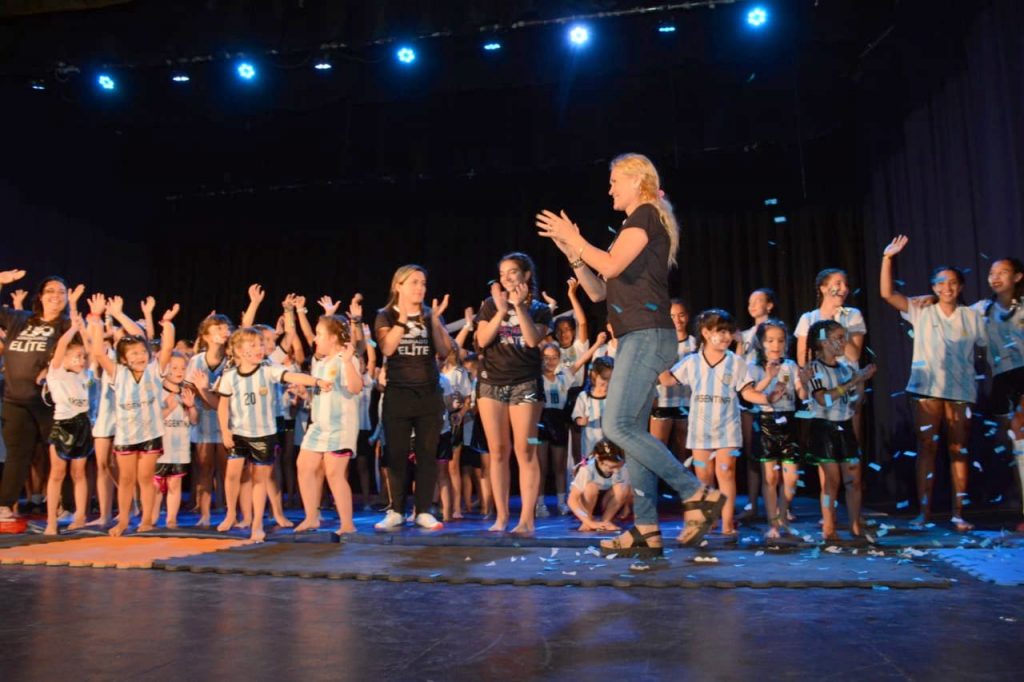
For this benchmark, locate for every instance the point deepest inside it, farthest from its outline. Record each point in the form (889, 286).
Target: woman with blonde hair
(632, 276)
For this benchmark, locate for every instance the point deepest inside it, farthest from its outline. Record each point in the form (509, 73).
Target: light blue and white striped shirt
(714, 404)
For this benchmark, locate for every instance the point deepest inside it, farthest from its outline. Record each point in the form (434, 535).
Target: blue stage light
(579, 35)
(666, 28)
(180, 78)
(106, 82)
(779, 219)
(38, 85)
(406, 55)
(246, 71)
(323, 66)
(757, 17)
(491, 47)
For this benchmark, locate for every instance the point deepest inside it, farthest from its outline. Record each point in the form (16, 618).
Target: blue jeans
(641, 356)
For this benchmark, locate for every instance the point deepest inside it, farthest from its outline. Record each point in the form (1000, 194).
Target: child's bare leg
(173, 501)
(558, 463)
(486, 496)
(104, 480)
(147, 469)
(455, 476)
(81, 485)
(616, 499)
(829, 474)
(494, 421)
(276, 503)
(852, 483)
(725, 474)
(206, 460)
(927, 422)
(771, 496)
(308, 465)
(336, 472)
(260, 475)
(58, 469)
(790, 476)
(232, 482)
(585, 505)
(524, 418)
(127, 472)
(444, 489)
(245, 497)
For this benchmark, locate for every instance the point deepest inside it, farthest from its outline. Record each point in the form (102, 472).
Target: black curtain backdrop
(943, 131)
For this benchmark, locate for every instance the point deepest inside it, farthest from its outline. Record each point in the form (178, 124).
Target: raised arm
(467, 328)
(885, 284)
(97, 304)
(582, 360)
(116, 311)
(565, 233)
(147, 305)
(167, 336)
(62, 343)
(582, 331)
(300, 312)
(256, 296)
(442, 340)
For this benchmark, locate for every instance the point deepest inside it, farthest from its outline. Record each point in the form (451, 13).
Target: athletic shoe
(428, 521)
(563, 509)
(541, 512)
(391, 520)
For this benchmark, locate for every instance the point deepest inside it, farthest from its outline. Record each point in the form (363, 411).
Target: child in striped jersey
(180, 415)
(835, 386)
(248, 424)
(67, 382)
(602, 472)
(139, 428)
(204, 369)
(780, 452)
(715, 376)
(760, 305)
(670, 415)
(333, 433)
(942, 383)
(589, 407)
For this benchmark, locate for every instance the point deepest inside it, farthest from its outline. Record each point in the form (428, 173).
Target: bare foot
(918, 521)
(307, 524)
(51, 529)
(225, 525)
(143, 527)
(346, 530)
(284, 522)
(245, 523)
(118, 530)
(457, 515)
(258, 535)
(99, 523)
(498, 526)
(772, 534)
(523, 529)
(76, 523)
(171, 525)
(203, 522)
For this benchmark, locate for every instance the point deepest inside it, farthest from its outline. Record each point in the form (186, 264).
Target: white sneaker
(428, 521)
(391, 520)
(541, 512)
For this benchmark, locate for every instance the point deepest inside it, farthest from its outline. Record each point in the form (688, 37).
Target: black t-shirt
(508, 360)
(27, 352)
(413, 363)
(638, 297)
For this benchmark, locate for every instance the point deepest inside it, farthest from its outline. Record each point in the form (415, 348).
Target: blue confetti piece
(935, 438)
(828, 400)
(929, 477)
(896, 455)
(909, 453)
(919, 363)
(983, 255)
(896, 394)
(799, 484)
(999, 450)
(880, 588)
(966, 271)
(989, 422)
(534, 441)
(698, 463)
(827, 499)
(616, 308)
(926, 427)
(924, 499)
(902, 505)
(997, 499)
(735, 453)
(977, 465)
(900, 282)
(910, 333)
(651, 306)
(822, 335)
(876, 466)
(612, 230)
(771, 243)
(373, 344)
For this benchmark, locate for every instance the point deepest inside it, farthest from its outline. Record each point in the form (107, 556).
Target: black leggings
(404, 410)
(24, 427)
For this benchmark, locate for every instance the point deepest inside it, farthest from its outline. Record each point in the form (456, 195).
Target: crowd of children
(264, 414)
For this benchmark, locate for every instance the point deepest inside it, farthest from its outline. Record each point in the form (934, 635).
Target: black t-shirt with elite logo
(508, 360)
(638, 297)
(27, 352)
(412, 364)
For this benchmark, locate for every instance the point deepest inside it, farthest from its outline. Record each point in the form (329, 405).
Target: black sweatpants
(24, 427)
(404, 410)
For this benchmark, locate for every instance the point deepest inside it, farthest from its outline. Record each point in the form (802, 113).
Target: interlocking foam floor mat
(108, 552)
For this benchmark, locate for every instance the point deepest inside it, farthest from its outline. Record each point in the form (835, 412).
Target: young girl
(212, 336)
(834, 386)
(601, 472)
(334, 430)
(942, 382)
(780, 453)
(67, 381)
(247, 422)
(760, 305)
(554, 428)
(1003, 313)
(589, 407)
(715, 375)
(462, 387)
(180, 415)
(670, 414)
(513, 323)
(138, 437)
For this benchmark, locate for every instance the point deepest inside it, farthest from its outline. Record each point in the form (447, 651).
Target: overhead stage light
(180, 78)
(492, 46)
(579, 35)
(106, 82)
(246, 71)
(757, 17)
(406, 55)
(323, 66)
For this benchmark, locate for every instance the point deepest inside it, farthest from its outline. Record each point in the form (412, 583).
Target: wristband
(356, 318)
(302, 310)
(576, 264)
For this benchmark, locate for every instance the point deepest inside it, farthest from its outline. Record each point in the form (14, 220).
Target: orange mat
(107, 552)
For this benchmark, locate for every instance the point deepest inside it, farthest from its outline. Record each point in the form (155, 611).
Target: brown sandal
(712, 511)
(638, 550)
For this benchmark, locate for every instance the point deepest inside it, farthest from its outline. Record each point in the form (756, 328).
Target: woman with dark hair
(942, 383)
(633, 277)
(31, 337)
(513, 323)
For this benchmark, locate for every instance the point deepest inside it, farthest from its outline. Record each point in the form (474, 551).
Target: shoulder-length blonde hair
(640, 167)
(402, 274)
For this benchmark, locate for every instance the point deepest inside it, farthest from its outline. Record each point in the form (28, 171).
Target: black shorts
(146, 447)
(170, 470)
(830, 442)
(72, 438)
(553, 427)
(470, 458)
(256, 450)
(1007, 390)
(778, 437)
(673, 413)
(478, 440)
(285, 424)
(444, 447)
(523, 393)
